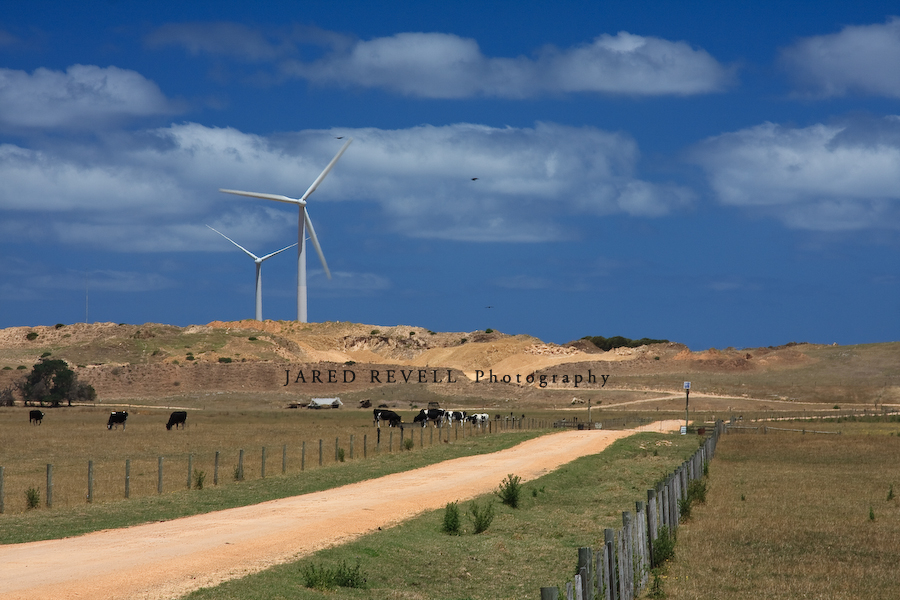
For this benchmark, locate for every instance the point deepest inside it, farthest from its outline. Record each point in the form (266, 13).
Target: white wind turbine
(259, 261)
(303, 222)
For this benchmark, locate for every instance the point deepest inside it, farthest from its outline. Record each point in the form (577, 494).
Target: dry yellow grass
(788, 516)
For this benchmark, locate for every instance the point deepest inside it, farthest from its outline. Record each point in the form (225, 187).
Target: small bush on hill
(617, 341)
(31, 335)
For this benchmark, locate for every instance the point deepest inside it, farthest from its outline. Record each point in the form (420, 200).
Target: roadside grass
(789, 516)
(81, 517)
(524, 549)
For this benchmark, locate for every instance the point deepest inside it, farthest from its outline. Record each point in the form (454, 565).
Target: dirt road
(169, 559)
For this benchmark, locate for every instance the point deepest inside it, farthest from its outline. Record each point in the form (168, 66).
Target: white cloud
(440, 65)
(155, 190)
(443, 65)
(860, 58)
(84, 97)
(824, 177)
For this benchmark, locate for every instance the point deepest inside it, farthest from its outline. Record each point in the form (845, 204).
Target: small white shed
(325, 403)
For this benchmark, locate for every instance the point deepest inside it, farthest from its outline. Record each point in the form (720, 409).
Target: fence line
(621, 569)
(94, 471)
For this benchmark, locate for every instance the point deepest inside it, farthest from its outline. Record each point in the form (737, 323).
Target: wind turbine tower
(259, 261)
(303, 222)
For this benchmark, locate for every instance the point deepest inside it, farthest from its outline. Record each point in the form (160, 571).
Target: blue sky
(713, 173)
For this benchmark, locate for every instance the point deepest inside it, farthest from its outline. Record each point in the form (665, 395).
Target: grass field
(790, 516)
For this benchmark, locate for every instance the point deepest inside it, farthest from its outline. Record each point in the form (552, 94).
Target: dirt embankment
(154, 360)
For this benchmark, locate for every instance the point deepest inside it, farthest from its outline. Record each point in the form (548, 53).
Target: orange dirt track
(170, 559)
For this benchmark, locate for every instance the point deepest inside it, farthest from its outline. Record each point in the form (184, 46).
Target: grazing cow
(435, 415)
(392, 418)
(177, 418)
(478, 419)
(115, 418)
(35, 417)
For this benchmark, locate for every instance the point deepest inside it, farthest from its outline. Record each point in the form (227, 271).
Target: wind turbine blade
(253, 256)
(277, 252)
(315, 241)
(276, 197)
(322, 175)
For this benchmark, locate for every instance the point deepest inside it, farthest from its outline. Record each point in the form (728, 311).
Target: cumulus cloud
(82, 97)
(440, 65)
(443, 65)
(155, 190)
(860, 58)
(833, 177)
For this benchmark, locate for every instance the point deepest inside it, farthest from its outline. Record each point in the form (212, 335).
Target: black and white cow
(392, 418)
(478, 418)
(435, 415)
(35, 417)
(177, 418)
(455, 415)
(115, 418)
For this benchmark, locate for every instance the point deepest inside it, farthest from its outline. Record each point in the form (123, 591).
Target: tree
(52, 381)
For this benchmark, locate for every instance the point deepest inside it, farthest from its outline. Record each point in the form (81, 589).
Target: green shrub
(489, 330)
(320, 577)
(59, 325)
(224, 359)
(199, 479)
(663, 547)
(408, 443)
(7, 368)
(32, 498)
(46, 354)
(697, 491)
(340, 454)
(252, 338)
(510, 491)
(238, 473)
(21, 368)
(31, 335)
(481, 516)
(890, 495)
(451, 522)
(374, 332)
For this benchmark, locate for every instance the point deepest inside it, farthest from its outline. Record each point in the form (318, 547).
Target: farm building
(325, 403)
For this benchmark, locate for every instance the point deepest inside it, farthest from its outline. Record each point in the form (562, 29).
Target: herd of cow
(435, 416)
(116, 418)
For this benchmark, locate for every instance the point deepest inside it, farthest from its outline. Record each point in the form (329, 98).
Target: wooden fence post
(609, 538)
(240, 469)
(549, 593)
(320, 452)
(2, 507)
(90, 494)
(365, 444)
(585, 563)
(284, 459)
(262, 469)
(127, 478)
